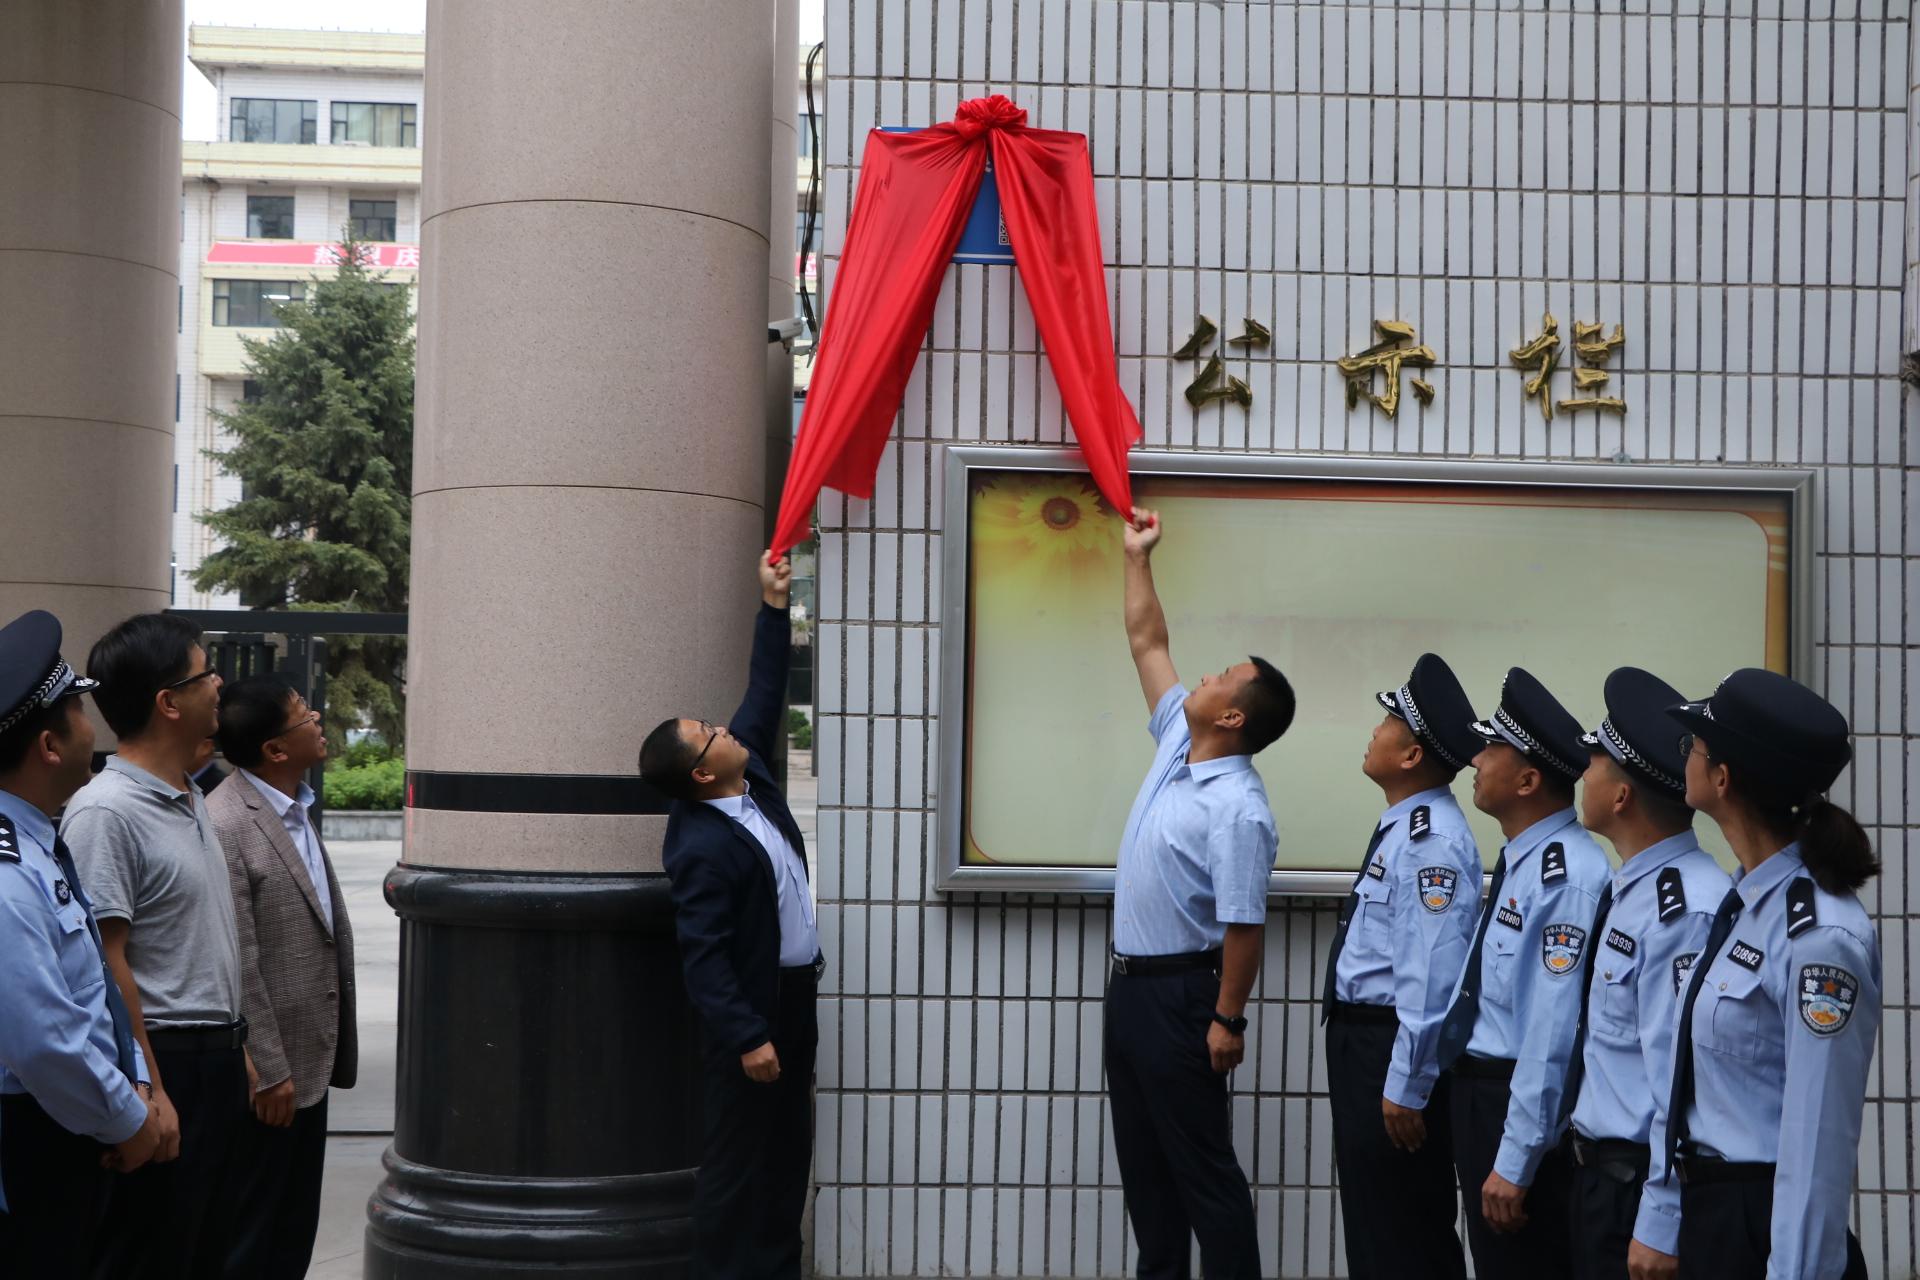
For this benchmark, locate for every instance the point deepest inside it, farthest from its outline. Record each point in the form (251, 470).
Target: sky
(198, 105)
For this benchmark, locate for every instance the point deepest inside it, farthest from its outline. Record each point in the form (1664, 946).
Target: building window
(270, 217)
(176, 399)
(275, 120)
(378, 124)
(373, 219)
(806, 138)
(250, 392)
(249, 304)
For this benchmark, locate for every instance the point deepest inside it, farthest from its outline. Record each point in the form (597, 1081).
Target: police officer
(1509, 1033)
(73, 1085)
(1777, 1025)
(1654, 915)
(1397, 953)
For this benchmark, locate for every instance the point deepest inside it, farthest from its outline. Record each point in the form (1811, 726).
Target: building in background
(316, 129)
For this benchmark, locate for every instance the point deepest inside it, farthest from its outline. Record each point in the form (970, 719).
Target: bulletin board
(1341, 572)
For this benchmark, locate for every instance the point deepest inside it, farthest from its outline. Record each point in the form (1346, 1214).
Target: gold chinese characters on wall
(1386, 358)
(1592, 347)
(1213, 382)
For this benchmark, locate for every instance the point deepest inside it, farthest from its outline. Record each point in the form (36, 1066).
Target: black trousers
(56, 1193)
(1172, 1129)
(1726, 1233)
(1603, 1203)
(752, 1186)
(174, 1221)
(279, 1211)
(1398, 1208)
(1479, 1106)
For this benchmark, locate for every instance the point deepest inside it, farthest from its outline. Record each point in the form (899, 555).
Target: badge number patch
(1621, 942)
(1560, 947)
(1436, 887)
(1508, 917)
(1827, 993)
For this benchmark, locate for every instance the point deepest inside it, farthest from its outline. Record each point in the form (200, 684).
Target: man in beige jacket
(296, 968)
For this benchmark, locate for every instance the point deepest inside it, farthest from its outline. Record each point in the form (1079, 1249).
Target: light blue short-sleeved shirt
(1198, 847)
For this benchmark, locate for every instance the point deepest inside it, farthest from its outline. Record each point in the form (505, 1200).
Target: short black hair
(15, 742)
(136, 660)
(1267, 702)
(252, 711)
(666, 760)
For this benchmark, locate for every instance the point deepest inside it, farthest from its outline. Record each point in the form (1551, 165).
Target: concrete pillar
(781, 304)
(89, 283)
(588, 473)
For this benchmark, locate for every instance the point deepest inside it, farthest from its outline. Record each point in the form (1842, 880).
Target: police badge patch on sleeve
(1560, 947)
(1682, 966)
(1827, 994)
(1436, 887)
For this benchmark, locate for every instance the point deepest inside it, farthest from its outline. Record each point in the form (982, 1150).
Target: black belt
(1697, 1170)
(1618, 1158)
(1382, 1015)
(232, 1035)
(1474, 1068)
(811, 972)
(1152, 966)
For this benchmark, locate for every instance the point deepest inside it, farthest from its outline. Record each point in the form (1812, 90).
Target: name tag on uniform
(1508, 917)
(1377, 869)
(1620, 942)
(1746, 956)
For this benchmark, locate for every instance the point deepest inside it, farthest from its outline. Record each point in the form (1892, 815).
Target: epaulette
(1673, 894)
(1800, 913)
(1419, 823)
(9, 842)
(1553, 863)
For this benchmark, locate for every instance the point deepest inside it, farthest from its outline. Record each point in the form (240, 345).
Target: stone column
(89, 284)
(781, 304)
(587, 507)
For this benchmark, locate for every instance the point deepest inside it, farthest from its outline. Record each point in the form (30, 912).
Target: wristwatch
(1236, 1025)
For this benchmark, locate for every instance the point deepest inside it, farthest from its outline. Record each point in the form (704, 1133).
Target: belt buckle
(1119, 964)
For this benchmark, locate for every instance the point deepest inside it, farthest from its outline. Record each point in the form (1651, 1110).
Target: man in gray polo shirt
(149, 857)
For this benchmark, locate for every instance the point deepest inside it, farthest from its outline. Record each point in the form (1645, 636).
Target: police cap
(1638, 731)
(1437, 709)
(1781, 731)
(1532, 722)
(33, 676)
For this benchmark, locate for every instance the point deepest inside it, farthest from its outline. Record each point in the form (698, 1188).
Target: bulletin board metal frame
(1798, 485)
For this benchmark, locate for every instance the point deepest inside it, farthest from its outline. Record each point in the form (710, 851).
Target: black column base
(547, 1112)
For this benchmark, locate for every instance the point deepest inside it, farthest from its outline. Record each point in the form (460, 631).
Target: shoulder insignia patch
(1560, 947)
(1419, 823)
(9, 842)
(1827, 994)
(1682, 966)
(1553, 863)
(1673, 894)
(1436, 887)
(1800, 913)
(1622, 943)
(1746, 957)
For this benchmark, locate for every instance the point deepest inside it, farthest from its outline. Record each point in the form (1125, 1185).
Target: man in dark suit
(744, 913)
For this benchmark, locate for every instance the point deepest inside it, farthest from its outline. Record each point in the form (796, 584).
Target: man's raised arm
(757, 722)
(1146, 623)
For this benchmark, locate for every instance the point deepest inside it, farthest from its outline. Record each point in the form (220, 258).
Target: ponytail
(1835, 849)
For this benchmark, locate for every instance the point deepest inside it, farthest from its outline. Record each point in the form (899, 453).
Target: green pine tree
(325, 458)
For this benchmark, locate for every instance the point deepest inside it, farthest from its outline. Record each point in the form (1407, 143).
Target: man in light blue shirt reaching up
(1190, 909)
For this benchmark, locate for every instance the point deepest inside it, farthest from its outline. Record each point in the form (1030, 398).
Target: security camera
(787, 332)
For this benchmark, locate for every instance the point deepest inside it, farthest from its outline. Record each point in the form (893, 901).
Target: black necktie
(116, 1003)
(1577, 1064)
(1682, 1096)
(1347, 909)
(1457, 1029)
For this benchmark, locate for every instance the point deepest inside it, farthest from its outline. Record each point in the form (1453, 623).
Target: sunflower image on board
(1042, 526)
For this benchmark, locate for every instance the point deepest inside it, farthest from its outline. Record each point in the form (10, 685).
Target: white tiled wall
(1727, 180)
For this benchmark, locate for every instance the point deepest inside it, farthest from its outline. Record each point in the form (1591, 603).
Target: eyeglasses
(312, 717)
(198, 675)
(703, 751)
(1686, 745)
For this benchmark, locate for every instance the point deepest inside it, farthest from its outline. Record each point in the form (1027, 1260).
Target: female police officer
(1781, 1009)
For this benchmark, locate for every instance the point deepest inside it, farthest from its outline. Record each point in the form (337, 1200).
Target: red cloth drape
(916, 190)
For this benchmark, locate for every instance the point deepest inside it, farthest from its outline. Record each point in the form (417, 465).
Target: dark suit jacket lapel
(276, 832)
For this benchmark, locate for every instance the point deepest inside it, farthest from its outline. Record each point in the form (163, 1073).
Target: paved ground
(361, 1118)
